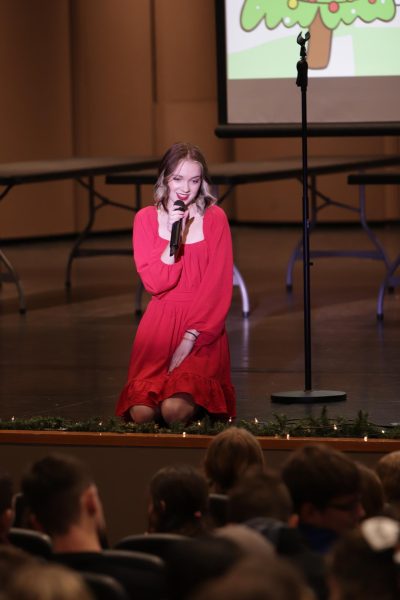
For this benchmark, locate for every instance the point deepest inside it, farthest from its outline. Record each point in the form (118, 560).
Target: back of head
(250, 579)
(197, 561)
(317, 474)
(260, 493)
(47, 582)
(179, 499)
(372, 497)
(52, 487)
(228, 457)
(11, 560)
(250, 542)
(388, 470)
(362, 564)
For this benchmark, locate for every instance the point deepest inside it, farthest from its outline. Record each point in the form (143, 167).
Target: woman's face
(185, 182)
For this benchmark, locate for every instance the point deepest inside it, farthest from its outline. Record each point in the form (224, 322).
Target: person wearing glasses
(326, 490)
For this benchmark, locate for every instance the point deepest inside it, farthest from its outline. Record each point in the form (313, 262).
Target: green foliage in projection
(303, 12)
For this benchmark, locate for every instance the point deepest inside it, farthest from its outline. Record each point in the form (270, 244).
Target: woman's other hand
(181, 352)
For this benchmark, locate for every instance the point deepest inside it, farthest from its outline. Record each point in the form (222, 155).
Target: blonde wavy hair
(169, 162)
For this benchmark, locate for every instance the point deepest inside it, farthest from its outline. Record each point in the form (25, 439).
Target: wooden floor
(68, 355)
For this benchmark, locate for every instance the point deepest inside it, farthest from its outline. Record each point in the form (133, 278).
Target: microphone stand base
(308, 397)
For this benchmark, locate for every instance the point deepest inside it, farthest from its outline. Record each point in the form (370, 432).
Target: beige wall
(123, 77)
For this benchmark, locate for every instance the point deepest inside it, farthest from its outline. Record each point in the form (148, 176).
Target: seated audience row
(322, 527)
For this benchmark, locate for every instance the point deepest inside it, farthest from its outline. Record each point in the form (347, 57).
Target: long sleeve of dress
(157, 277)
(210, 308)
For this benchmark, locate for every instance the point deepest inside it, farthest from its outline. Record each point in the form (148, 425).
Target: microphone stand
(308, 395)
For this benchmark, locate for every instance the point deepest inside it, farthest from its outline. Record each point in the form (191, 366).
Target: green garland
(281, 426)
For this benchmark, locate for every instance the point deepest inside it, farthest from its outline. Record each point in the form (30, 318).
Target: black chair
(104, 587)
(21, 511)
(141, 575)
(156, 544)
(31, 541)
(218, 509)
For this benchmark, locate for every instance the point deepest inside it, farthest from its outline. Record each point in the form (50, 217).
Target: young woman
(180, 364)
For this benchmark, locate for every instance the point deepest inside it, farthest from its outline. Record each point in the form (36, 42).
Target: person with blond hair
(180, 366)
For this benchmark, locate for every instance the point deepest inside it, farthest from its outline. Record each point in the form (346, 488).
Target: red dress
(193, 293)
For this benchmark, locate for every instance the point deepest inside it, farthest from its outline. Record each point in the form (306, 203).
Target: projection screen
(353, 58)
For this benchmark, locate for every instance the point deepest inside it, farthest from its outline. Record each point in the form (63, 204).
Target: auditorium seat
(104, 587)
(31, 541)
(218, 508)
(158, 544)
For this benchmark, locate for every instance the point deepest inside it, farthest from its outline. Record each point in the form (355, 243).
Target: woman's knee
(178, 409)
(142, 414)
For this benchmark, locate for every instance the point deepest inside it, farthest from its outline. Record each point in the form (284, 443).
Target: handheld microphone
(176, 230)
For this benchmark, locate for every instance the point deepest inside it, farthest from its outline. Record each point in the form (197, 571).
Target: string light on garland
(335, 426)
(184, 434)
(365, 438)
(288, 436)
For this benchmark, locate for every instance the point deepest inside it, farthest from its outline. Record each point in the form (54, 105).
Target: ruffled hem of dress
(214, 397)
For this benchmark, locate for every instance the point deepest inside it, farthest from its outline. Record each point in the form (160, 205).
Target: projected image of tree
(320, 17)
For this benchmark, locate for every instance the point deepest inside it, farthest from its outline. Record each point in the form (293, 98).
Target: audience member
(262, 501)
(6, 512)
(260, 493)
(11, 560)
(372, 498)
(197, 561)
(178, 501)
(388, 470)
(228, 457)
(364, 563)
(325, 486)
(255, 580)
(65, 504)
(251, 542)
(47, 582)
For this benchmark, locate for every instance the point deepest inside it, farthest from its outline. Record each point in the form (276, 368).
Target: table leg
(84, 234)
(12, 276)
(389, 282)
(377, 253)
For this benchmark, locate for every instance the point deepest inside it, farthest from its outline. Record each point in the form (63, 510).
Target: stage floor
(68, 355)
